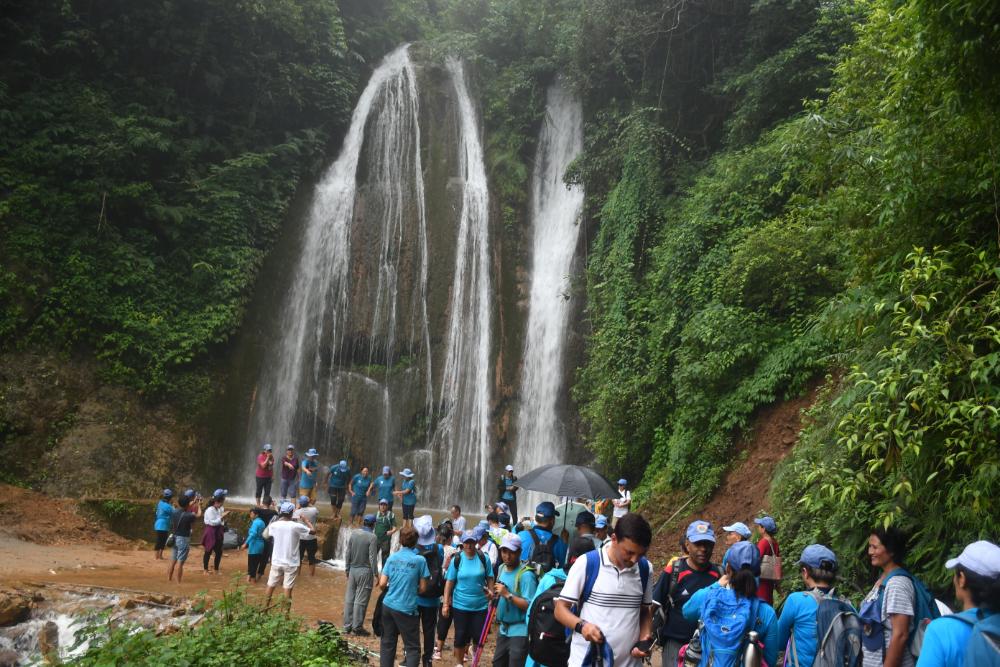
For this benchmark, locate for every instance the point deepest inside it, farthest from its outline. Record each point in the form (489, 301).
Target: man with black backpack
(429, 601)
(540, 547)
(680, 579)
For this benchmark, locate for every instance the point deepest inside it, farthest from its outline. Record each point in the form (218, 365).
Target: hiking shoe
(361, 632)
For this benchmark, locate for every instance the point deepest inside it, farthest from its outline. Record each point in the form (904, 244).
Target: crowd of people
(588, 596)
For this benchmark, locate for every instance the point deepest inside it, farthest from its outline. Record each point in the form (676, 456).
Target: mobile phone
(644, 646)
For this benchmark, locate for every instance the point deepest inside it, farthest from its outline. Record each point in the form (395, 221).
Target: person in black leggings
(212, 539)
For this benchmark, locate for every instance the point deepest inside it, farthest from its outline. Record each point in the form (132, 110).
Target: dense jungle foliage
(778, 192)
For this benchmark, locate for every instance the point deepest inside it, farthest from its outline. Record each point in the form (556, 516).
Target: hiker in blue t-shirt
(515, 587)
(797, 627)
(404, 576)
(384, 485)
(737, 586)
(336, 484)
(467, 593)
(408, 495)
(307, 480)
(164, 517)
(977, 588)
(542, 532)
(361, 488)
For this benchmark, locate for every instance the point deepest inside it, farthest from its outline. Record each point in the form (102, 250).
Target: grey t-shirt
(898, 599)
(310, 513)
(362, 550)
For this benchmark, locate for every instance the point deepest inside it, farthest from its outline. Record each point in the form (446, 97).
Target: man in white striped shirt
(617, 614)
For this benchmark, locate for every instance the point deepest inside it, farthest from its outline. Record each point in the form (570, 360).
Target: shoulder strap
(482, 560)
(644, 574)
(593, 569)
(517, 578)
(885, 580)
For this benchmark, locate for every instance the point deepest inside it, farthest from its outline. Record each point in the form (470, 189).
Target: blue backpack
(925, 609)
(726, 620)
(983, 648)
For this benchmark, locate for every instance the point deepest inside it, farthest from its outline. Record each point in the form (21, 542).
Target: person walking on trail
(385, 526)
(336, 485)
(767, 545)
(623, 503)
(798, 629)
(309, 470)
(408, 496)
(515, 587)
(468, 592)
(539, 545)
(161, 524)
(361, 488)
(429, 602)
(289, 473)
(680, 579)
(254, 545)
(287, 534)
(264, 473)
(404, 576)
(384, 485)
(211, 540)
(616, 617)
(949, 640)
(446, 538)
(734, 603)
(585, 525)
(456, 518)
(507, 489)
(188, 510)
(360, 567)
(307, 514)
(887, 549)
(601, 529)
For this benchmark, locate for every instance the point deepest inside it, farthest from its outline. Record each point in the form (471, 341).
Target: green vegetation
(232, 632)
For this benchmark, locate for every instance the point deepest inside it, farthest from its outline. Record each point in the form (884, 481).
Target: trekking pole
(490, 613)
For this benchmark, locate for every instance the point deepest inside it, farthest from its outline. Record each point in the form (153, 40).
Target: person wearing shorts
(285, 557)
(361, 486)
(307, 514)
(185, 518)
(467, 593)
(336, 484)
(408, 496)
(310, 471)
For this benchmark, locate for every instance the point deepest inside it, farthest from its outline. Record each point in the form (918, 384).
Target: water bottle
(752, 655)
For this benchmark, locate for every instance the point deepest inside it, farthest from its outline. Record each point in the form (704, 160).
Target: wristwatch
(578, 628)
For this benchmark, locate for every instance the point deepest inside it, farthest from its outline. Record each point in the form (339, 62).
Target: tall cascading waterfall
(461, 441)
(555, 222)
(321, 322)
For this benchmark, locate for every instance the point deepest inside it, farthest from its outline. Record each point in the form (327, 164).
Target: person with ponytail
(977, 589)
(734, 596)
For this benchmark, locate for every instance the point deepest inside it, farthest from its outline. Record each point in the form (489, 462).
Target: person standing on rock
(189, 510)
(307, 514)
(285, 558)
(385, 526)
(164, 516)
(336, 484)
(507, 490)
(385, 485)
(309, 470)
(214, 530)
(289, 472)
(361, 488)
(408, 496)
(264, 473)
(360, 567)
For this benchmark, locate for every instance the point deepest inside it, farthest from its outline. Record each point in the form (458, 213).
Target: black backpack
(434, 555)
(547, 638)
(543, 557)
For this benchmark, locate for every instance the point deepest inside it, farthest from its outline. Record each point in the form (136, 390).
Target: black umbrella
(563, 479)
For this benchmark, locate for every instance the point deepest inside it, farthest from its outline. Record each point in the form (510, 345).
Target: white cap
(509, 468)
(981, 557)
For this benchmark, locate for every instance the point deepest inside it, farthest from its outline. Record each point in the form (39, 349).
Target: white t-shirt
(625, 500)
(213, 516)
(287, 535)
(491, 551)
(613, 606)
(458, 524)
(311, 513)
(898, 599)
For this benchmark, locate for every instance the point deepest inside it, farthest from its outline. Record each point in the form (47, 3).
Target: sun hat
(424, 526)
(267, 448)
(585, 519)
(509, 468)
(818, 556)
(546, 510)
(739, 527)
(386, 470)
(303, 501)
(469, 536)
(511, 542)
(700, 531)
(981, 557)
(601, 522)
(407, 473)
(312, 452)
(286, 508)
(744, 554)
(502, 506)
(167, 493)
(767, 523)
(623, 482)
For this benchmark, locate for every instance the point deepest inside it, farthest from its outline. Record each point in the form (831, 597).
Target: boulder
(15, 607)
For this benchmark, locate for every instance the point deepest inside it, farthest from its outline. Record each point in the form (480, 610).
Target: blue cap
(167, 493)
(406, 472)
(601, 522)
(369, 519)
(343, 464)
(623, 482)
(502, 506)
(479, 532)
(267, 448)
(303, 500)
(220, 493)
(469, 536)
(190, 493)
(767, 523)
(739, 528)
(312, 452)
(744, 555)
(586, 519)
(700, 531)
(484, 524)
(546, 510)
(386, 470)
(286, 508)
(981, 557)
(818, 556)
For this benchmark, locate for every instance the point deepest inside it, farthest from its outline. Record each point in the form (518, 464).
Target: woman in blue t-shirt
(977, 589)
(164, 515)
(468, 591)
(408, 496)
(255, 547)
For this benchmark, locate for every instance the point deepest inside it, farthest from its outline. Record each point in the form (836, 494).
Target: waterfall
(336, 300)
(461, 441)
(555, 213)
